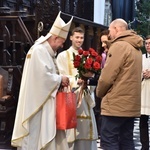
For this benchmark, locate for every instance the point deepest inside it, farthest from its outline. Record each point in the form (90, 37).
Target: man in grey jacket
(120, 87)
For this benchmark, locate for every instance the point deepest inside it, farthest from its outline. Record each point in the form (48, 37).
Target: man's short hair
(77, 29)
(147, 37)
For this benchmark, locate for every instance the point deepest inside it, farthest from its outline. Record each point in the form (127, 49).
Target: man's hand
(146, 74)
(82, 83)
(64, 81)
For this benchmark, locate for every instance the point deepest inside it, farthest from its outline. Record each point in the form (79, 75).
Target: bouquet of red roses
(87, 63)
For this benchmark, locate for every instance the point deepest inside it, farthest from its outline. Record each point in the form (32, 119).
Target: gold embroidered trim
(91, 131)
(29, 56)
(69, 65)
(60, 28)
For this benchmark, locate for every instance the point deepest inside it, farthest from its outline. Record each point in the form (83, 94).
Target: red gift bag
(66, 117)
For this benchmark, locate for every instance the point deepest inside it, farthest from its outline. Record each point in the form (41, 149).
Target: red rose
(80, 51)
(76, 64)
(77, 58)
(85, 53)
(93, 53)
(96, 65)
(98, 58)
(91, 50)
(87, 66)
(89, 61)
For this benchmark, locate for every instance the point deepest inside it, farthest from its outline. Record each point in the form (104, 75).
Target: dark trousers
(97, 112)
(117, 133)
(144, 134)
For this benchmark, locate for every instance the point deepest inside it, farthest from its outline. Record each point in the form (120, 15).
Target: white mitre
(59, 28)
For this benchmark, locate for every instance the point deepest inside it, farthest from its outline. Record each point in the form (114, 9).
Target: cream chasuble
(86, 130)
(35, 123)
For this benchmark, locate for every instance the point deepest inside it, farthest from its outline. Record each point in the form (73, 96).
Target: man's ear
(71, 37)
(56, 37)
(116, 28)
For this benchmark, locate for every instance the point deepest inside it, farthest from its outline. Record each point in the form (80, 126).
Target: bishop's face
(56, 42)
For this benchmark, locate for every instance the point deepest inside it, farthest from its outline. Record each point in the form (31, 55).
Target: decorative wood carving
(46, 12)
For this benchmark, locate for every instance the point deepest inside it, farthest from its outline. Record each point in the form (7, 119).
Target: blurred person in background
(145, 97)
(103, 50)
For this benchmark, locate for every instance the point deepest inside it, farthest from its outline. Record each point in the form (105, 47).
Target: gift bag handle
(65, 89)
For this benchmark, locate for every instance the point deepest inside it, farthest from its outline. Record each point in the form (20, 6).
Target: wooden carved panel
(46, 12)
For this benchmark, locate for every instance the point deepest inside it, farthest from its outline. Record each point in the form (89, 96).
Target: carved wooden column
(79, 8)
(6, 41)
(88, 6)
(67, 6)
(72, 7)
(95, 39)
(18, 9)
(62, 5)
(32, 5)
(4, 44)
(87, 38)
(13, 42)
